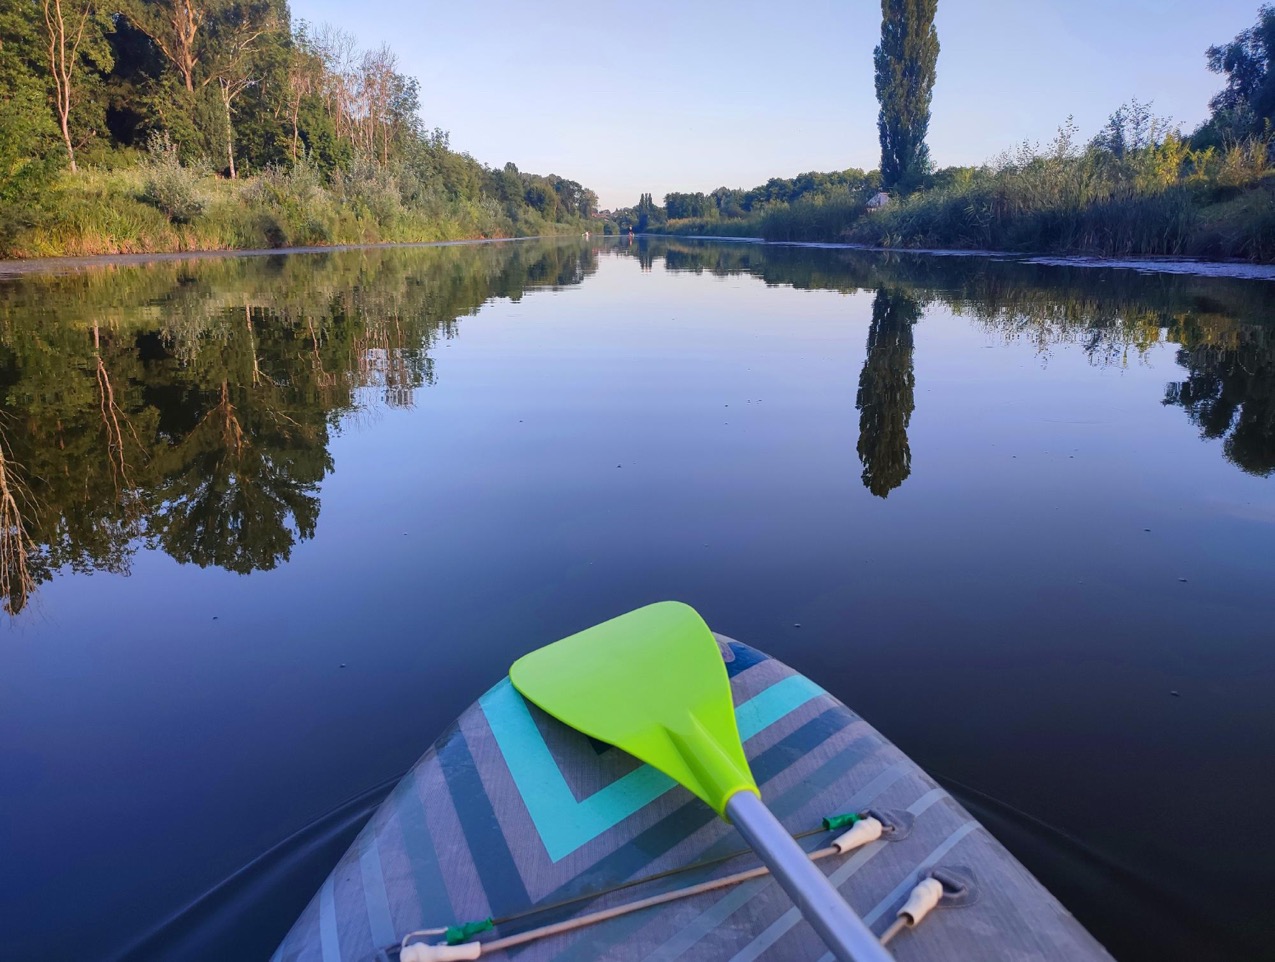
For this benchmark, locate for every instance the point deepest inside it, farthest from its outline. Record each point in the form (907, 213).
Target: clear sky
(691, 95)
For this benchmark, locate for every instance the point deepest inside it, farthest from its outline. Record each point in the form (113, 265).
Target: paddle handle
(847, 935)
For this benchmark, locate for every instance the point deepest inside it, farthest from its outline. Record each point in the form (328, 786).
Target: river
(270, 523)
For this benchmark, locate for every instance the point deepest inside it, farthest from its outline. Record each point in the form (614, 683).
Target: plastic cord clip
(863, 831)
(423, 952)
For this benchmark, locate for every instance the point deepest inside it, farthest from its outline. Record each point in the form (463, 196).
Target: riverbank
(18, 267)
(1151, 197)
(1194, 267)
(162, 209)
(1215, 223)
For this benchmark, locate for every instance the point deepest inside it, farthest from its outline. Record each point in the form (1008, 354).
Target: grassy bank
(165, 207)
(1138, 188)
(1164, 199)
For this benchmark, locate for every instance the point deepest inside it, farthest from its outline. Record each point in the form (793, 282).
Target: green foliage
(329, 136)
(735, 212)
(28, 157)
(649, 216)
(368, 191)
(170, 187)
(1136, 188)
(1246, 105)
(816, 217)
(905, 62)
(681, 206)
(293, 206)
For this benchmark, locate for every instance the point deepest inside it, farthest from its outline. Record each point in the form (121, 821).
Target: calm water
(270, 523)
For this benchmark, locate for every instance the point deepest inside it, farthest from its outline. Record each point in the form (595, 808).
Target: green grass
(733, 227)
(1163, 199)
(125, 210)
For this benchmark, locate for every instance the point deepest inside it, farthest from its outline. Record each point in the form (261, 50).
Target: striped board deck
(511, 814)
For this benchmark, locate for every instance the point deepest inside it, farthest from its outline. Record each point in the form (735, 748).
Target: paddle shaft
(847, 935)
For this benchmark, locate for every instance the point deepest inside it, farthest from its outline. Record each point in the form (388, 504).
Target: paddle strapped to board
(516, 836)
(667, 702)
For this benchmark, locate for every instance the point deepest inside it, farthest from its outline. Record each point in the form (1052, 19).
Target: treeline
(1138, 186)
(729, 209)
(163, 107)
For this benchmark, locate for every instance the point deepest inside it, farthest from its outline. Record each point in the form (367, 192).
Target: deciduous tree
(176, 29)
(1248, 99)
(73, 30)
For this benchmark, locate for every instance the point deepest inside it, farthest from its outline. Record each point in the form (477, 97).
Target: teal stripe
(780, 699)
(768, 766)
(329, 937)
(563, 823)
(374, 894)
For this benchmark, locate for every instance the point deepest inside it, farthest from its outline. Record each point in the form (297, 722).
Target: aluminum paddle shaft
(847, 935)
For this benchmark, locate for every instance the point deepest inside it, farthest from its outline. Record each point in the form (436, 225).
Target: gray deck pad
(511, 810)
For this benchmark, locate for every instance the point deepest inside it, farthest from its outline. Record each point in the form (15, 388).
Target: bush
(813, 218)
(370, 192)
(293, 206)
(169, 186)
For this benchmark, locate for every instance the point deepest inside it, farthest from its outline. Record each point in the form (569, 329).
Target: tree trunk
(66, 136)
(186, 39)
(62, 65)
(230, 133)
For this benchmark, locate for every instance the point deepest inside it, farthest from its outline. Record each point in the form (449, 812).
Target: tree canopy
(234, 87)
(1246, 105)
(906, 62)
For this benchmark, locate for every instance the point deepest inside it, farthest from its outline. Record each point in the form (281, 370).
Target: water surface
(270, 523)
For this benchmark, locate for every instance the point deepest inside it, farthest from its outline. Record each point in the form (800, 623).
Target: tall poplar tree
(905, 69)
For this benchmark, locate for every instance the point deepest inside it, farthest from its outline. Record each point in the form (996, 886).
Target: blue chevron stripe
(565, 824)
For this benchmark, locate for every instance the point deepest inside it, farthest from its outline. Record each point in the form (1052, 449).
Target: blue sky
(692, 95)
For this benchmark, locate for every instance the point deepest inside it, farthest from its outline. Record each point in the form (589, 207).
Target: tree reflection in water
(189, 406)
(1229, 393)
(1223, 326)
(887, 391)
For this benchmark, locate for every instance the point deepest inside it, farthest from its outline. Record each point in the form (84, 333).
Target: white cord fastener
(923, 898)
(861, 833)
(420, 952)
(864, 831)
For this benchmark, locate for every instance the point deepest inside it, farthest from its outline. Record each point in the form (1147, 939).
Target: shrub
(370, 191)
(170, 187)
(293, 205)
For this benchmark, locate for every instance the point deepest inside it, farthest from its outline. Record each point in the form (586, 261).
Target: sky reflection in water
(1012, 507)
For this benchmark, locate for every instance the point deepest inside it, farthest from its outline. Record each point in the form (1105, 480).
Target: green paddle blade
(651, 682)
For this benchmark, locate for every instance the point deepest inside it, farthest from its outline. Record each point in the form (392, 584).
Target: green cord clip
(457, 934)
(834, 822)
